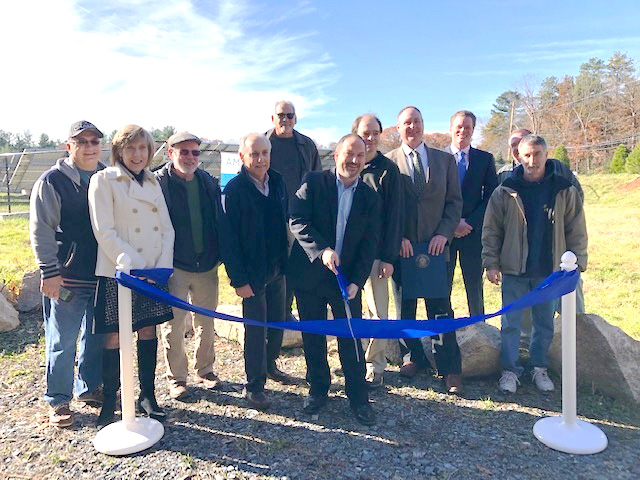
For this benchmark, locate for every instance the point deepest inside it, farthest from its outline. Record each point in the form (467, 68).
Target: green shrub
(632, 164)
(619, 159)
(560, 153)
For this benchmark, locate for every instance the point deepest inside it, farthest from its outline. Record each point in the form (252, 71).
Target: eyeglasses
(288, 115)
(195, 153)
(81, 142)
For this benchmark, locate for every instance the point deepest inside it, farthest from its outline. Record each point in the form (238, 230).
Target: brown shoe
(277, 375)
(61, 416)
(453, 383)
(210, 381)
(409, 369)
(257, 400)
(178, 391)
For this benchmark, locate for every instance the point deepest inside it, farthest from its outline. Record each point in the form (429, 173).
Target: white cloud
(214, 70)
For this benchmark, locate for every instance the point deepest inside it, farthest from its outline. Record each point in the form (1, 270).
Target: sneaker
(542, 380)
(60, 416)
(508, 382)
(93, 399)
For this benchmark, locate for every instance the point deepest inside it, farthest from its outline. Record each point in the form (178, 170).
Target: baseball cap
(83, 126)
(182, 137)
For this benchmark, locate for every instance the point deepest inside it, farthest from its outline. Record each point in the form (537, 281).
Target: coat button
(155, 229)
(135, 210)
(139, 250)
(137, 230)
(154, 209)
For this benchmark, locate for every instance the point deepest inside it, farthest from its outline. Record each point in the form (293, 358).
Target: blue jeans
(514, 287)
(63, 321)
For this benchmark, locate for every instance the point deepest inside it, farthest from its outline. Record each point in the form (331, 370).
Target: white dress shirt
(456, 153)
(422, 151)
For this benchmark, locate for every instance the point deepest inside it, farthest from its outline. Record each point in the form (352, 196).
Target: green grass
(611, 282)
(19, 203)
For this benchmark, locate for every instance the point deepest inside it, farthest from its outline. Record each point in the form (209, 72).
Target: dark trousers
(262, 345)
(313, 306)
(469, 250)
(447, 352)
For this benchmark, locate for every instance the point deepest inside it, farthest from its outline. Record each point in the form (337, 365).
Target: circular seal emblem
(422, 260)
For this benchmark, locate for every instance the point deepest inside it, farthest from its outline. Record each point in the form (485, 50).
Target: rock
(8, 294)
(30, 296)
(235, 330)
(607, 358)
(480, 349)
(8, 316)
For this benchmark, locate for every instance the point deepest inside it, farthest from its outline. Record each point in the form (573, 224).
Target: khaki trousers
(199, 289)
(376, 294)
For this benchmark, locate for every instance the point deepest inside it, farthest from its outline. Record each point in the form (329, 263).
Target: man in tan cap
(193, 199)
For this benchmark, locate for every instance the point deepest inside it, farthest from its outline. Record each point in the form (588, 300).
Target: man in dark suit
(335, 218)
(478, 180)
(433, 205)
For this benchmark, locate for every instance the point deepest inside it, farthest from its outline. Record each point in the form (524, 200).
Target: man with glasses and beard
(193, 200)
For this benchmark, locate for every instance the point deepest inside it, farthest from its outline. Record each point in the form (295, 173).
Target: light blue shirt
(345, 200)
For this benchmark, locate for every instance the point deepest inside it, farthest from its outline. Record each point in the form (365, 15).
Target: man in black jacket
(193, 200)
(292, 156)
(335, 218)
(478, 180)
(382, 175)
(255, 251)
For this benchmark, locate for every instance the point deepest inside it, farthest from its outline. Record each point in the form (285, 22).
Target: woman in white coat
(129, 214)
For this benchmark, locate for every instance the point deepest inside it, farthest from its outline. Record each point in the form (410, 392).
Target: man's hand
(463, 229)
(436, 245)
(386, 270)
(245, 291)
(352, 291)
(494, 276)
(330, 259)
(50, 287)
(406, 249)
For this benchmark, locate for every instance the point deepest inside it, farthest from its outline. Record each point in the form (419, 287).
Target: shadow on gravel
(28, 333)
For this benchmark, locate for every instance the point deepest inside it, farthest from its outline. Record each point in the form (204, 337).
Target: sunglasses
(288, 115)
(81, 142)
(195, 153)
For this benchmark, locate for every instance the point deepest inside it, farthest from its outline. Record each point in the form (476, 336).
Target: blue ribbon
(554, 286)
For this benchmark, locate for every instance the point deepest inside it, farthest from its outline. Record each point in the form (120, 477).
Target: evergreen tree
(560, 153)
(633, 161)
(619, 159)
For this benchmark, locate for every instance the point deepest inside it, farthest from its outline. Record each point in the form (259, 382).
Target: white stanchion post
(131, 434)
(567, 433)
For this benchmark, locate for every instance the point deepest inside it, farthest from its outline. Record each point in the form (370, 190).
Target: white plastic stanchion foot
(121, 439)
(580, 437)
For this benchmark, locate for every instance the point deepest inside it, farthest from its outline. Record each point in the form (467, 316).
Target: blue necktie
(462, 167)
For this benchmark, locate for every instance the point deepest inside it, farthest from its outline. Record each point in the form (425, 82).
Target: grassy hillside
(611, 283)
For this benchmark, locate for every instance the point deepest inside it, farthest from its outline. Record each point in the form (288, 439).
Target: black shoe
(314, 403)
(364, 414)
(93, 399)
(111, 384)
(107, 413)
(257, 400)
(277, 375)
(148, 406)
(147, 356)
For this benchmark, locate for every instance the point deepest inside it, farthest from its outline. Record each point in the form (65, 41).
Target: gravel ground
(421, 433)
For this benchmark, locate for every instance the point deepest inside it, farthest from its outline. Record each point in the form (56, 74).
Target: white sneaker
(542, 380)
(508, 382)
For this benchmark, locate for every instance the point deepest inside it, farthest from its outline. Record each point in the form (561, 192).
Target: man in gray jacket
(65, 250)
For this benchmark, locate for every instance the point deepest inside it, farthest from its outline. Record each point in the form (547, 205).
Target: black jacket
(244, 249)
(313, 222)
(479, 183)
(175, 194)
(382, 175)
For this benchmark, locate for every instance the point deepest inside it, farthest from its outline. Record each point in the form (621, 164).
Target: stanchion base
(581, 438)
(118, 439)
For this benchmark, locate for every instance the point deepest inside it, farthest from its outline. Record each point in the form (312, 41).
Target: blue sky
(216, 67)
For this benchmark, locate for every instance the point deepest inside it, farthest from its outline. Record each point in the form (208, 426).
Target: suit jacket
(479, 183)
(437, 210)
(313, 217)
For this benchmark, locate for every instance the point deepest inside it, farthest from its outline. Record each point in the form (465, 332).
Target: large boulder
(30, 296)
(235, 330)
(8, 316)
(480, 348)
(607, 358)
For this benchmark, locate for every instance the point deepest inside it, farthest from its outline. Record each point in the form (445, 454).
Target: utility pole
(510, 128)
